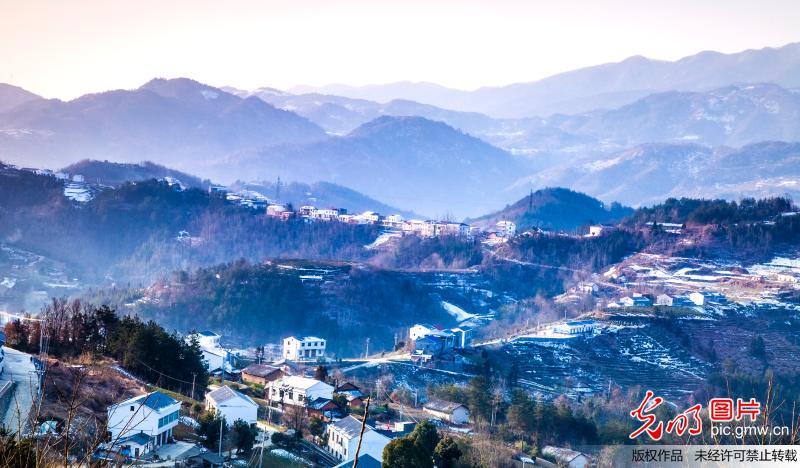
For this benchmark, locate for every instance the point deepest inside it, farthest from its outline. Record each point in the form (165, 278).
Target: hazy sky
(66, 48)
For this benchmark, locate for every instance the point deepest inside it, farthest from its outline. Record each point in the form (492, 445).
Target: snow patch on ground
(382, 239)
(457, 312)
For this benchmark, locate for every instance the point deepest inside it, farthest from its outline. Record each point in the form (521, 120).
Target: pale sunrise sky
(67, 48)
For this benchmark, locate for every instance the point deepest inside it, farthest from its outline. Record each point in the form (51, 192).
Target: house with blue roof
(152, 415)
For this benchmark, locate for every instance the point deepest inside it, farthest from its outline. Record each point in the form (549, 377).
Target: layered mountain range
(602, 86)
(634, 131)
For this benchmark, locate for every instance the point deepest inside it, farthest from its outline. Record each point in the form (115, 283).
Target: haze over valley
(421, 155)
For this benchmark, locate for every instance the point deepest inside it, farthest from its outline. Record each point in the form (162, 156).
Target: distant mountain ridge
(650, 173)
(178, 122)
(556, 209)
(422, 165)
(734, 115)
(601, 86)
(12, 96)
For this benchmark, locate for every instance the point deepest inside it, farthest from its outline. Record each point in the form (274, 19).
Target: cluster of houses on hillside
(700, 299)
(396, 222)
(221, 360)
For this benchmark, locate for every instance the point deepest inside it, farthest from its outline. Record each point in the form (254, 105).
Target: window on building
(168, 419)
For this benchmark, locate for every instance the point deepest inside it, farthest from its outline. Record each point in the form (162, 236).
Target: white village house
(343, 440)
(393, 221)
(567, 457)
(297, 391)
(153, 414)
(673, 301)
(506, 228)
(232, 405)
(595, 231)
(307, 348)
(707, 297)
(422, 330)
(454, 413)
(636, 300)
(575, 327)
(216, 357)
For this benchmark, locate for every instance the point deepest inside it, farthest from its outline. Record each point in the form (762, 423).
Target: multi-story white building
(297, 391)
(422, 330)
(367, 217)
(506, 228)
(216, 357)
(153, 414)
(207, 338)
(393, 221)
(326, 214)
(275, 210)
(414, 226)
(307, 211)
(343, 440)
(232, 405)
(307, 348)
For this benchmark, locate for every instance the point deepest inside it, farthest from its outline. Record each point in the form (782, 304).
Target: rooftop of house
(304, 383)
(561, 454)
(580, 322)
(442, 406)
(225, 394)
(156, 401)
(139, 438)
(345, 386)
(351, 395)
(320, 403)
(208, 333)
(349, 426)
(306, 338)
(286, 362)
(260, 370)
(364, 461)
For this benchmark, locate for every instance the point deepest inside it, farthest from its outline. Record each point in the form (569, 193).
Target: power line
(163, 374)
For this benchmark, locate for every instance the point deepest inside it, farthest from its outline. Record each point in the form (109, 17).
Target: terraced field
(623, 356)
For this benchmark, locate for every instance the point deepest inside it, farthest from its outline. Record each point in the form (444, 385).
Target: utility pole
(194, 375)
(261, 452)
(366, 353)
(221, 422)
(278, 190)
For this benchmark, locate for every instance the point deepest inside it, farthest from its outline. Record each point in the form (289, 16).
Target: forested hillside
(556, 209)
(132, 232)
(253, 303)
(115, 174)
